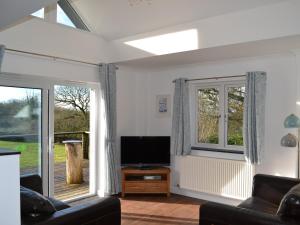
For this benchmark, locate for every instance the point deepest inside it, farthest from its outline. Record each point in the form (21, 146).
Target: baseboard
(205, 196)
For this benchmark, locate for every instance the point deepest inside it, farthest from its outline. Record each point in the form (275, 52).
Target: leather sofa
(269, 194)
(104, 211)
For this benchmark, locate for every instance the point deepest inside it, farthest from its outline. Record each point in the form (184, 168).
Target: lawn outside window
(217, 110)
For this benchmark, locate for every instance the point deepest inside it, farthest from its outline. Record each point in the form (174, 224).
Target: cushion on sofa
(34, 204)
(59, 205)
(290, 204)
(259, 204)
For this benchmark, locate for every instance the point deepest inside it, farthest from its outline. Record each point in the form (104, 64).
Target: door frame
(20, 81)
(93, 135)
(46, 84)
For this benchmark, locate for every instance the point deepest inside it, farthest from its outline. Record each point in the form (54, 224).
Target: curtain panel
(108, 96)
(181, 133)
(254, 116)
(2, 50)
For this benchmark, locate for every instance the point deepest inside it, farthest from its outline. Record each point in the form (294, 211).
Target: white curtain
(112, 163)
(254, 116)
(2, 50)
(181, 138)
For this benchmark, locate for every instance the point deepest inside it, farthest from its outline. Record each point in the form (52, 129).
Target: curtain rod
(53, 57)
(213, 78)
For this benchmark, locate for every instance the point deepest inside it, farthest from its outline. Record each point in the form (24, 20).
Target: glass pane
(39, 13)
(63, 18)
(71, 122)
(20, 125)
(236, 96)
(208, 115)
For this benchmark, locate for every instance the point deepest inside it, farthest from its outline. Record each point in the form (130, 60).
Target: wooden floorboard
(158, 209)
(62, 190)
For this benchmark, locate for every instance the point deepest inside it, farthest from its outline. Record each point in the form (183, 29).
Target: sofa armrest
(272, 188)
(33, 182)
(104, 211)
(220, 214)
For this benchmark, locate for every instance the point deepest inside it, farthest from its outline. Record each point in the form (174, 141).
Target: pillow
(34, 204)
(290, 203)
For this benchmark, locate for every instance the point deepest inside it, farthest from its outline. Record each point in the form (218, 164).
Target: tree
(77, 98)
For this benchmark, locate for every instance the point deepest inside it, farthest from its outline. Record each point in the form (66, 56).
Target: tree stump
(74, 158)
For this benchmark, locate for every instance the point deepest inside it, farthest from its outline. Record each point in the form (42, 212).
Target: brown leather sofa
(105, 211)
(275, 201)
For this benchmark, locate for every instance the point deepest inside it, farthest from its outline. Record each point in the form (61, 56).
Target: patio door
(37, 116)
(24, 124)
(72, 127)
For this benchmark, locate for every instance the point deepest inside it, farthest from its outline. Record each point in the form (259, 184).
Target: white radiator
(223, 177)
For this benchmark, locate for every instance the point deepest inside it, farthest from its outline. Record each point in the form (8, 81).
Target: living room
(211, 50)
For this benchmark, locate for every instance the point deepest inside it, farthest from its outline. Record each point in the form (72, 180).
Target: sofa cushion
(259, 204)
(34, 204)
(290, 204)
(59, 205)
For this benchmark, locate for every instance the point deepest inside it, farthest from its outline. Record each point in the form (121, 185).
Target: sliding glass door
(21, 125)
(71, 153)
(37, 116)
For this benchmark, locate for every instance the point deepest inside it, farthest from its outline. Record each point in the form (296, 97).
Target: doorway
(34, 121)
(72, 105)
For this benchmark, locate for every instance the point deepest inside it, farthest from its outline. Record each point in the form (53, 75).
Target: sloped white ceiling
(114, 19)
(12, 11)
(250, 49)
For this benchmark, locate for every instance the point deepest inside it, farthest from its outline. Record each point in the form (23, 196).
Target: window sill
(232, 151)
(216, 153)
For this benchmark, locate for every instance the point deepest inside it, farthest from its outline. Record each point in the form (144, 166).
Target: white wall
(36, 35)
(137, 92)
(45, 67)
(10, 190)
(13, 10)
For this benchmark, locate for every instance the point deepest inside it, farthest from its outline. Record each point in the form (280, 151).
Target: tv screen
(145, 151)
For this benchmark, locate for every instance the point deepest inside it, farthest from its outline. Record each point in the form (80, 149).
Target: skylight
(63, 18)
(40, 13)
(181, 41)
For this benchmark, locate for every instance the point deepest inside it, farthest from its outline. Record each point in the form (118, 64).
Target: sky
(11, 93)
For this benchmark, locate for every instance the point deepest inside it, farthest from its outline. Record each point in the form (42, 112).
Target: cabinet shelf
(139, 181)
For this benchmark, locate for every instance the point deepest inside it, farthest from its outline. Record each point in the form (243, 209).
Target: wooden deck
(62, 190)
(65, 191)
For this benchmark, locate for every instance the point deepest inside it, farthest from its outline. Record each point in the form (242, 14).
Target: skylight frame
(72, 14)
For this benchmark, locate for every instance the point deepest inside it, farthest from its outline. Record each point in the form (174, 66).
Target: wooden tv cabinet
(136, 180)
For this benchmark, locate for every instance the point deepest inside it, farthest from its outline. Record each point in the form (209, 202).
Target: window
(67, 15)
(217, 116)
(63, 13)
(63, 18)
(40, 13)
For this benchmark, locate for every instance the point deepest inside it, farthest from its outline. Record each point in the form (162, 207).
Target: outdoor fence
(59, 137)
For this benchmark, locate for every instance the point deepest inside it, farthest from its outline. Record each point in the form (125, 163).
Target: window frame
(50, 14)
(72, 14)
(222, 86)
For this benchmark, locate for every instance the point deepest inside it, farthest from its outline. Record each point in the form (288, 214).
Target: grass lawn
(29, 152)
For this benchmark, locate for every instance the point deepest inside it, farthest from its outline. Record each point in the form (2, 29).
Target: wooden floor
(156, 210)
(62, 190)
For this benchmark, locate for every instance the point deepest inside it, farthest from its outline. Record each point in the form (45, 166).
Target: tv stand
(144, 167)
(145, 180)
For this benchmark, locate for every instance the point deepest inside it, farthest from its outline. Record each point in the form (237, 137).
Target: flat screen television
(145, 151)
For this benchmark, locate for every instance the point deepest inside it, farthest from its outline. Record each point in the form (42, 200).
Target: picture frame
(163, 105)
